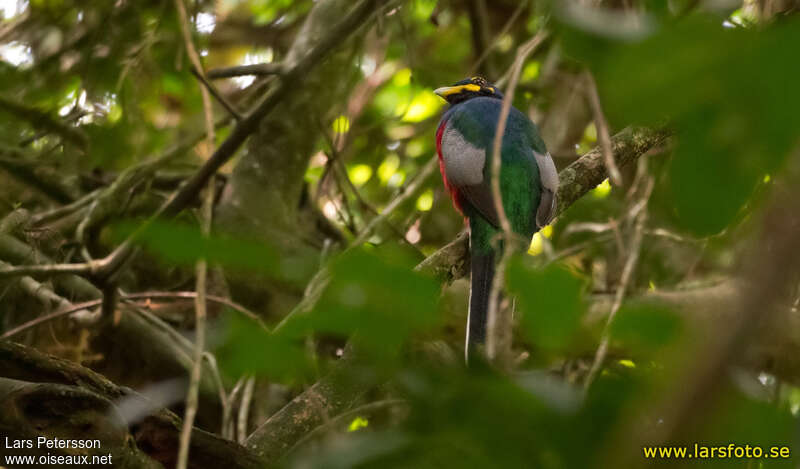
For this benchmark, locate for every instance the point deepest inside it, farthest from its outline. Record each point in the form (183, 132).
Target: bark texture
(41, 395)
(265, 197)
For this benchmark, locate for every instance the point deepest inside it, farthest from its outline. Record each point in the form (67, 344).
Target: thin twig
(217, 95)
(478, 19)
(320, 279)
(48, 317)
(437, 10)
(11, 25)
(497, 143)
(227, 429)
(45, 120)
(28, 169)
(63, 210)
(191, 295)
(627, 274)
(273, 68)
(498, 337)
(356, 105)
(407, 192)
(506, 27)
(244, 410)
(365, 409)
(49, 270)
(245, 127)
(603, 134)
(201, 266)
(42, 292)
(262, 69)
(72, 308)
(108, 202)
(187, 193)
(213, 367)
(702, 384)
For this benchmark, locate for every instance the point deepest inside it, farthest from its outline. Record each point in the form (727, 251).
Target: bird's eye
(480, 81)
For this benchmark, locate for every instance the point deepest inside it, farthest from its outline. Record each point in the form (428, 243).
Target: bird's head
(468, 89)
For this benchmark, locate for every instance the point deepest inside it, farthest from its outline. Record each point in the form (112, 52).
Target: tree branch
(274, 68)
(39, 118)
(216, 94)
(330, 396)
(755, 318)
(201, 267)
(44, 179)
(288, 84)
(326, 398)
(82, 402)
(576, 180)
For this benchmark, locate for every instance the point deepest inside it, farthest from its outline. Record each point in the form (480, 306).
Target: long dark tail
(482, 261)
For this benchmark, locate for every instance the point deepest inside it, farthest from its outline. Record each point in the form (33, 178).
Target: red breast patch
(454, 194)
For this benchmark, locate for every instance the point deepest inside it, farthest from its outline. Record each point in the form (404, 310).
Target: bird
(528, 183)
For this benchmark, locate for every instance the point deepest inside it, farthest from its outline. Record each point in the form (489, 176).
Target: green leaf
(181, 244)
(247, 348)
(379, 298)
(645, 326)
(550, 301)
(710, 182)
(726, 92)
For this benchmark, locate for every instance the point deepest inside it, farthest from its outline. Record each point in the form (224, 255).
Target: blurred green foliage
(176, 243)
(550, 303)
(730, 94)
(361, 301)
(645, 328)
(246, 348)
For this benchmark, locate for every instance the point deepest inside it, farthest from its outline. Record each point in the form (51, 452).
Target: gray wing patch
(548, 176)
(463, 166)
(463, 162)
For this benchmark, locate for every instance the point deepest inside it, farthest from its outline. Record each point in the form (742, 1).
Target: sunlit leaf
(341, 125)
(416, 148)
(425, 201)
(397, 179)
(424, 105)
(357, 424)
(402, 77)
(602, 190)
(388, 167)
(359, 174)
(531, 71)
(537, 245)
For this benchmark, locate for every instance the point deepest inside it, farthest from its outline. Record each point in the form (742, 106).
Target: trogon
(528, 182)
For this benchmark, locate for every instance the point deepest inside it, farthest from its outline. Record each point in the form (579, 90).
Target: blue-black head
(467, 89)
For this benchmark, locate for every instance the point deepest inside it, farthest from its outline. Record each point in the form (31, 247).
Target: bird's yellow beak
(446, 91)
